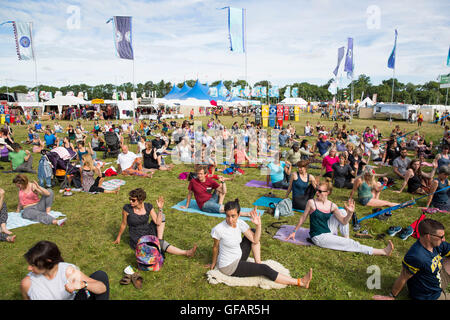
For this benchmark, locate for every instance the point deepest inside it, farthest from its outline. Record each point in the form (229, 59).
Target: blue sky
(287, 41)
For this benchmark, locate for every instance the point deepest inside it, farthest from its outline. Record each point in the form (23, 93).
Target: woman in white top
(183, 150)
(230, 250)
(50, 278)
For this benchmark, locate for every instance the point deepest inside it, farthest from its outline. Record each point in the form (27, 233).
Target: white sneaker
(61, 222)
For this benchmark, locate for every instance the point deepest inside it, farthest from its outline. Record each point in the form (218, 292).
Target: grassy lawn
(93, 223)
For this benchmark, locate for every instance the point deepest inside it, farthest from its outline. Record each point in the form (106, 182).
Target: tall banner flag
(122, 36)
(287, 92)
(333, 87)
(294, 92)
(349, 58)
(341, 51)
(22, 35)
(391, 60)
(448, 57)
(236, 29)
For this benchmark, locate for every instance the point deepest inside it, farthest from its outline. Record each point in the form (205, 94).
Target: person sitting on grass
(343, 174)
(440, 200)
(5, 234)
(21, 161)
(142, 220)
(418, 182)
(299, 182)
(35, 208)
(426, 266)
(87, 172)
(326, 219)
(152, 160)
(279, 172)
(50, 139)
(369, 190)
(230, 250)
(50, 278)
(130, 164)
(201, 186)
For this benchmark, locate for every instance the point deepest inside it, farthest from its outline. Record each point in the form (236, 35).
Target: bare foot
(11, 238)
(389, 248)
(6, 231)
(306, 279)
(190, 253)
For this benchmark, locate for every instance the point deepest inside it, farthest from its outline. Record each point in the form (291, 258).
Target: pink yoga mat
(300, 237)
(260, 184)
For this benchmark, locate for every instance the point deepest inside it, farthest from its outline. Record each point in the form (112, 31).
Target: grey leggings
(3, 219)
(38, 212)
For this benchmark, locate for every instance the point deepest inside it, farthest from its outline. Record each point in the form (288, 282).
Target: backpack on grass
(283, 208)
(149, 255)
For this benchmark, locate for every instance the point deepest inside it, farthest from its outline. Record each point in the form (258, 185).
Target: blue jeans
(212, 205)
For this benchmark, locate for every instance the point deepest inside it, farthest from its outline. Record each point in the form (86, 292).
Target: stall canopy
(294, 101)
(61, 101)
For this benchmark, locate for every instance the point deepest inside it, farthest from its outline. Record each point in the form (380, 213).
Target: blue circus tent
(175, 90)
(180, 92)
(197, 92)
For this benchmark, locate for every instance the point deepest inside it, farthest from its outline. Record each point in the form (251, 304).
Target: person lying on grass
(230, 250)
(50, 278)
(137, 214)
(326, 219)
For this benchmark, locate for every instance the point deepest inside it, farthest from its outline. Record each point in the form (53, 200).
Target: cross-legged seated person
(201, 187)
(21, 161)
(130, 164)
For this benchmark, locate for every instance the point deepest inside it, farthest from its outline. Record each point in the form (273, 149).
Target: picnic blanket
(260, 184)
(15, 219)
(300, 237)
(113, 184)
(193, 208)
(215, 277)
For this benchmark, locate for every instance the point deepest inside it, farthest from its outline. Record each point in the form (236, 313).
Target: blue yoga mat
(264, 202)
(15, 219)
(193, 207)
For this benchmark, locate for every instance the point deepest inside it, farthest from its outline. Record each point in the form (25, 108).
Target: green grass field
(93, 222)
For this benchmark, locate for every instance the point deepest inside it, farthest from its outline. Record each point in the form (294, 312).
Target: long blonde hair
(88, 161)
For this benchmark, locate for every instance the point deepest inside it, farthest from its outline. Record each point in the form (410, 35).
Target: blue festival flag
(294, 92)
(341, 51)
(349, 58)
(287, 92)
(391, 60)
(122, 36)
(22, 35)
(236, 29)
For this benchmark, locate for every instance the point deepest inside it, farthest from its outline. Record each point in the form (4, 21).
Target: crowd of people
(346, 159)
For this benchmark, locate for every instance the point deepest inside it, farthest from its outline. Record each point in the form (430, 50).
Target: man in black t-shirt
(426, 265)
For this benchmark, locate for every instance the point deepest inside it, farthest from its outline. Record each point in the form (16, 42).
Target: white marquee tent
(61, 101)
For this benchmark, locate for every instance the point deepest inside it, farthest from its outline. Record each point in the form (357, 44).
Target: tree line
(428, 93)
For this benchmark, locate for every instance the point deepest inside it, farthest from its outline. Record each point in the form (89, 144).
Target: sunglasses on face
(132, 199)
(435, 235)
(322, 191)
